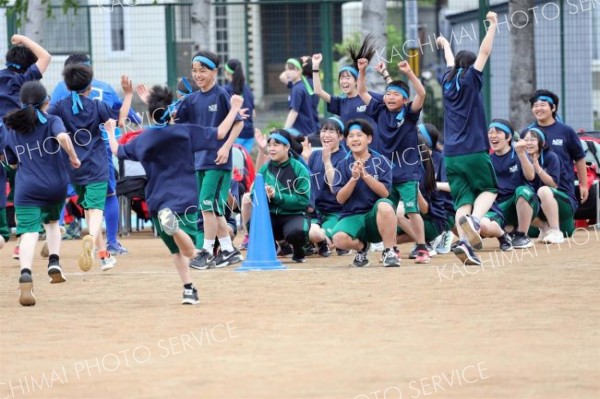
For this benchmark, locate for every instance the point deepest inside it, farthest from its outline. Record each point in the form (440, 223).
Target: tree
(522, 64)
(374, 21)
(201, 10)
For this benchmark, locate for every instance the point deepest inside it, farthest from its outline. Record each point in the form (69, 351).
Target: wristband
(315, 70)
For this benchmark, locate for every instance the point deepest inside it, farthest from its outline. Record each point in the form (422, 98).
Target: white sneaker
(554, 237)
(377, 247)
(108, 263)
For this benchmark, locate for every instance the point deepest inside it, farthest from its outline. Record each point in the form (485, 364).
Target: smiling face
(292, 73)
(532, 143)
(204, 77)
(498, 141)
(278, 152)
(542, 111)
(358, 142)
(347, 84)
(330, 137)
(394, 101)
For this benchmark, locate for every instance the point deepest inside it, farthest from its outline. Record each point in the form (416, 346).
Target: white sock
(226, 244)
(209, 245)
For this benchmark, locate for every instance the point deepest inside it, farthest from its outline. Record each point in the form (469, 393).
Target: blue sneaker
(116, 249)
(465, 253)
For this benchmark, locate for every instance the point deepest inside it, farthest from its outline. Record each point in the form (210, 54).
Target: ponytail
(238, 80)
(22, 120)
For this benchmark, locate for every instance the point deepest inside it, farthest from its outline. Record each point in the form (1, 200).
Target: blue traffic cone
(261, 247)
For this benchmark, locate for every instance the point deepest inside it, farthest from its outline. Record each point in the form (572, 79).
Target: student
(514, 171)
(564, 142)
(101, 91)
(397, 118)
(468, 166)
(302, 114)
(322, 165)
(364, 183)
(166, 151)
(553, 189)
(34, 141)
(26, 61)
(288, 188)
(208, 107)
(83, 119)
(4, 229)
(234, 73)
(442, 244)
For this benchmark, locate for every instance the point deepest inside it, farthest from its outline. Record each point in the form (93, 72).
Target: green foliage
(19, 8)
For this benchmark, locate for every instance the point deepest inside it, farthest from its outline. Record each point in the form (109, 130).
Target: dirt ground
(524, 325)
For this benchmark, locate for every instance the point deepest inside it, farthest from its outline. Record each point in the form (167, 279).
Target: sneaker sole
(86, 259)
(26, 297)
(365, 265)
(464, 258)
(523, 246)
(56, 276)
(391, 264)
(190, 302)
(232, 260)
(473, 237)
(45, 253)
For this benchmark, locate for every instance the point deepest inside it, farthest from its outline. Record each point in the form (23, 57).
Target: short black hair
(20, 58)
(364, 126)
(545, 93)
(77, 58)
(210, 55)
(78, 77)
(158, 102)
(402, 84)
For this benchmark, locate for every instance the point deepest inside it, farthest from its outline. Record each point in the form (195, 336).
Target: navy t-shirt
(435, 202)
(465, 128)
(348, 108)
(303, 103)
(509, 174)
(398, 139)
(84, 129)
(563, 141)
(248, 129)
(207, 109)
(167, 155)
(42, 167)
(325, 201)
(2, 172)
(560, 174)
(440, 176)
(10, 87)
(362, 198)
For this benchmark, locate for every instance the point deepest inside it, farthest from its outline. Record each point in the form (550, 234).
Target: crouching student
(166, 151)
(41, 183)
(364, 183)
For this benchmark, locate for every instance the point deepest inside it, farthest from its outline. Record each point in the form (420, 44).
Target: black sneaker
(284, 249)
(226, 258)
(390, 258)
(309, 249)
(520, 241)
(342, 252)
(299, 259)
(324, 249)
(471, 228)
(190, 296)
(26, 297)
(505, 243)
(360, 259)
(204, 260)
(55, 274)
(414, 253)
(465, 253)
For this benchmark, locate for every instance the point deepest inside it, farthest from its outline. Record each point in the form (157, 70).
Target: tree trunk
(522, 68)
(201, 10)
(374, 21)
(34, 21)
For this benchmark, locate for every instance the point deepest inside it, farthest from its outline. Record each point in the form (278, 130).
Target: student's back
(10, 85)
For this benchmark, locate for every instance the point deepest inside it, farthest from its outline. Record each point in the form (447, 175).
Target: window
(117, 29)
(67, 33)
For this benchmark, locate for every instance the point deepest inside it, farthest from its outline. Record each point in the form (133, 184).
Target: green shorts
(433, 228)
(4, 229)
(470, 175)
(214, 189)
(566, 216)
(327, 221)
(29, 218)
(450, 222)
(92, 195)
(407, 193)
(362, 226)
(509, 207)
(188, 223)
(495, 217)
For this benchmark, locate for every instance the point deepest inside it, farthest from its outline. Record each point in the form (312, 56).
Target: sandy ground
(525, 325)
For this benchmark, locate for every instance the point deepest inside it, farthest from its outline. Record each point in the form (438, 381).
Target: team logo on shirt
(212, 108)
(557, 142)
(400, 123)
(513, 169)
(362, 108)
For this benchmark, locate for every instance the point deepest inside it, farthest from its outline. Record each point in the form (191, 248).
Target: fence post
(327, 48)
(171, 46)
(11, 25)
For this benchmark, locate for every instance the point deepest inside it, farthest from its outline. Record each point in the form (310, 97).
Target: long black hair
(367, 50)
(428, 166)
(238, 80)
(463, 60)
(33, 96)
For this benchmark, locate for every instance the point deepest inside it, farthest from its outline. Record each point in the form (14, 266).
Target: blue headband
(279, 138)
(354, 126)
(425, 135)
(12, 64)
(77, 104)
(501, 126)
(545, 98)
(166, 115)
(338, 121)
(398, 89)
(350, 69)
(204, 61)
(539, 132)
(187, 85)
(38, 113)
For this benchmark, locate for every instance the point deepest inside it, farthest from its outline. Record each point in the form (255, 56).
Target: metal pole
(484, 7)
(563, 92)
(327, 47)
(171, 46)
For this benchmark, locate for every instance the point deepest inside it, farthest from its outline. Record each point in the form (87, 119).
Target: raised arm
(382, 69)
(443, 44)
(227, 123)
(318, 87)
(362, 81)
(526, 165)
(486, 44)
(127, 87)
(110, 126)
(43, 57)
(420, 92)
